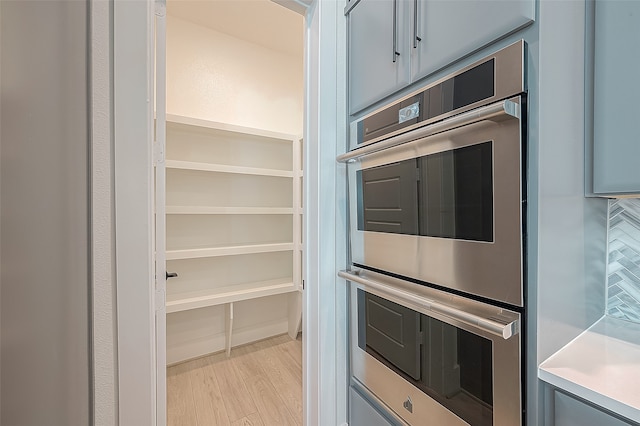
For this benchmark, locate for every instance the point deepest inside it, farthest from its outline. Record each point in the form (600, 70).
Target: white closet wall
(214, 76)
(233, 193)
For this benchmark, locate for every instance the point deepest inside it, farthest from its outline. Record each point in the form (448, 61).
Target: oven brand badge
(409, 113)
(408, 405)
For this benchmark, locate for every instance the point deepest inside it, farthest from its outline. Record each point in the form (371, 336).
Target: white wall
(213, 76)
(571, 229)
(44, 218)
(567, 232)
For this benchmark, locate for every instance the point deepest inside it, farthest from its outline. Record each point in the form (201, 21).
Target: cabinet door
(450, 29)
(373, 74)
(362, 413)
(616, 94)
(571, 412)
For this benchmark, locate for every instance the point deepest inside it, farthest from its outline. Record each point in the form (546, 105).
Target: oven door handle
(500, 329)
(502, 109)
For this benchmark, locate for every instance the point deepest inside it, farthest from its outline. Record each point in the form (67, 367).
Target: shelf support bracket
(229, 327)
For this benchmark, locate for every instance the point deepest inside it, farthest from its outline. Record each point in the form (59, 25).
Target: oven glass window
(458, 371)
(451, 365)
(388, 200)
(447, 195)
(456, 194)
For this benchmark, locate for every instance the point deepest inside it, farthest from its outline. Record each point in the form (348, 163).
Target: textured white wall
(213, 76)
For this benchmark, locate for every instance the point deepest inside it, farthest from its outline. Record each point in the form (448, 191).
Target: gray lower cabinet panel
(362, 413)
(572, 412)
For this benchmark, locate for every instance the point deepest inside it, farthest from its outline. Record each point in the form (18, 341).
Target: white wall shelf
(196, 253)
(235, 293)
(224, 168)
(228, 210)
(234, 235)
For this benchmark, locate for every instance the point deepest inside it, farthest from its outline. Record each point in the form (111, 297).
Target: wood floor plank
(284, 380)
(269, 404)
(237, 400)
(248, 365)
(293, 350)
(180, 403)
(209, 403)
(251, 420)
(259, 385)
(288, 352)
(266, 358)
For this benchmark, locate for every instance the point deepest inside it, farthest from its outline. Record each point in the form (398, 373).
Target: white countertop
(602, 366)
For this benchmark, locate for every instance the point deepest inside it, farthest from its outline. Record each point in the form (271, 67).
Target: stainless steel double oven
(436, 203)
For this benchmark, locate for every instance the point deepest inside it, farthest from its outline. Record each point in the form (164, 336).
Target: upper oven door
(445, 208)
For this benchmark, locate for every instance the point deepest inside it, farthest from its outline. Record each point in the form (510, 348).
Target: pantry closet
(233, 183)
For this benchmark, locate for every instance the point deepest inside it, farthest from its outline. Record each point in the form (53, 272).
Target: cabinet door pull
(171, 275)
(395, 30)
(416, 39)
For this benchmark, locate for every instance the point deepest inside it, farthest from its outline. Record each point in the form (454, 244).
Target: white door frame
(159, 135)
(325, 354)
(102, 218)
(133, 169)
(324, 326)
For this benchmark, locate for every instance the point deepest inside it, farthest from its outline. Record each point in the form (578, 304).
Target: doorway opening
(234, 103)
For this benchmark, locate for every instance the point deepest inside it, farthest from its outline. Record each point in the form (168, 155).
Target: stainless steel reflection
(393, 390)
(509, 80)
(489, 269)
(504, 327)
(494, 112)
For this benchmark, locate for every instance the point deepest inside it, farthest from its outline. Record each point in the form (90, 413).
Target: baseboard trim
(188, 350)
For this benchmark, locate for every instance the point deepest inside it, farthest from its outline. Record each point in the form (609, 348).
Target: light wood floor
(260, 384)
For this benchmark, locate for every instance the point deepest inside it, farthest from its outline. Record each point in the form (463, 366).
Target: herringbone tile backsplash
(623, 273)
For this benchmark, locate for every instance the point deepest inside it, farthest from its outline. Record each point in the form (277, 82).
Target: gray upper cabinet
(616, 98)
(377, 66)
(393, 43)
(448, 30)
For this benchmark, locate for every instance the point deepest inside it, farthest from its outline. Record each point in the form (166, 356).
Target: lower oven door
(435, 358)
